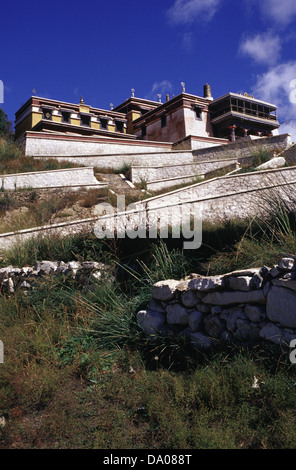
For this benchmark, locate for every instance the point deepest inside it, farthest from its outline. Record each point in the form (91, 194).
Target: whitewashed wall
(245, 196)
(153, 173)
(41, 145)
(50, 179)
(117, 161)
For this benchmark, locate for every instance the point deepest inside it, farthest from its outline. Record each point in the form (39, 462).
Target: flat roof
(171, 103)
(243, 97)
(137, 100)
(49, 100)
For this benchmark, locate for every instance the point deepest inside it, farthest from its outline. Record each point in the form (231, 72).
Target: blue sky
(102, 49)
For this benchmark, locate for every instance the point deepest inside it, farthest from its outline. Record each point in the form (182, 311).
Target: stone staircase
(120, 185)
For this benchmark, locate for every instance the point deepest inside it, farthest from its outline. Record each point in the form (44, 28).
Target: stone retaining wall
(226, 201)
(225, 185)
(244, 147)
(50, 179)
(76, 227)
(44, 144)
(247, 306)
(168, 183)
(26, 277)
(198, 142)
(161, 172)
(117, 161)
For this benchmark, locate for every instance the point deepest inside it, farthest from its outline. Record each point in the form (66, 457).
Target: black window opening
(65, 116)
(144, 131)
(104, 124)
(85, 120)
(198, 112)
(47, 113)
(163, 120)
(119, 126)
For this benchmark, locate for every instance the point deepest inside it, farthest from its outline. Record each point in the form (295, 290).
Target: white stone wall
(195, 125)
(194, 142)
(40, 145)
(243, 147)
(154, 173)
(229, 204)
(116, 161)
(8, 240)
(224, 186)
(49, 179)
(168, 183)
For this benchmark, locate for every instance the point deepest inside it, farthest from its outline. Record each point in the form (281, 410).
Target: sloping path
(119, 185)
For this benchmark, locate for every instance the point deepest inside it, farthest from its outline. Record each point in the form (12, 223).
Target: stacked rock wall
(248, 307)
(89, 272)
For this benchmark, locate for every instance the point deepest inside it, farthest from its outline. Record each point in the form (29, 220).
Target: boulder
(189, 299)
(195, 320)
(257, 281)
(287, 283)
(216, 309)
(241, 283)
(203, 308)
(287, 263)
(234, 297)
(231, 315)
(156, 306)
(213, 326)
(281, 306)
(200, 341)
(274, 272)
(253, 312)
(204, 283)
(247, 331)
(150, 322)
(164, 290)
(176, 314)
(272, 333)
(47, 267)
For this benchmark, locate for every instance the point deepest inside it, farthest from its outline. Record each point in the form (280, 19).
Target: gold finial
(81, 100)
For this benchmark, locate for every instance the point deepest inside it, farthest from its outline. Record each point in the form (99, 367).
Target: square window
(65, 116)
(85, 120)
(198, 112)
(119, 126)
(47, 113)
(103, 124)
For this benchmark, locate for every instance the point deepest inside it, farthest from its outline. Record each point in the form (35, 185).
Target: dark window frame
(68, 114)
(163, 120)
(46, 111)
(104, 124)
(119, 126)
(84, 117)
(198, 113)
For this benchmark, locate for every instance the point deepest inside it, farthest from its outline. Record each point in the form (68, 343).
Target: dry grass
(13, 160)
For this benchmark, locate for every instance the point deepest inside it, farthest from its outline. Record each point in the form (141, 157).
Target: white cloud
(187, 11)
(188, 41)
(274, 86)
(163, 87)
(289, 127)
(282, 12)
(263, 48)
